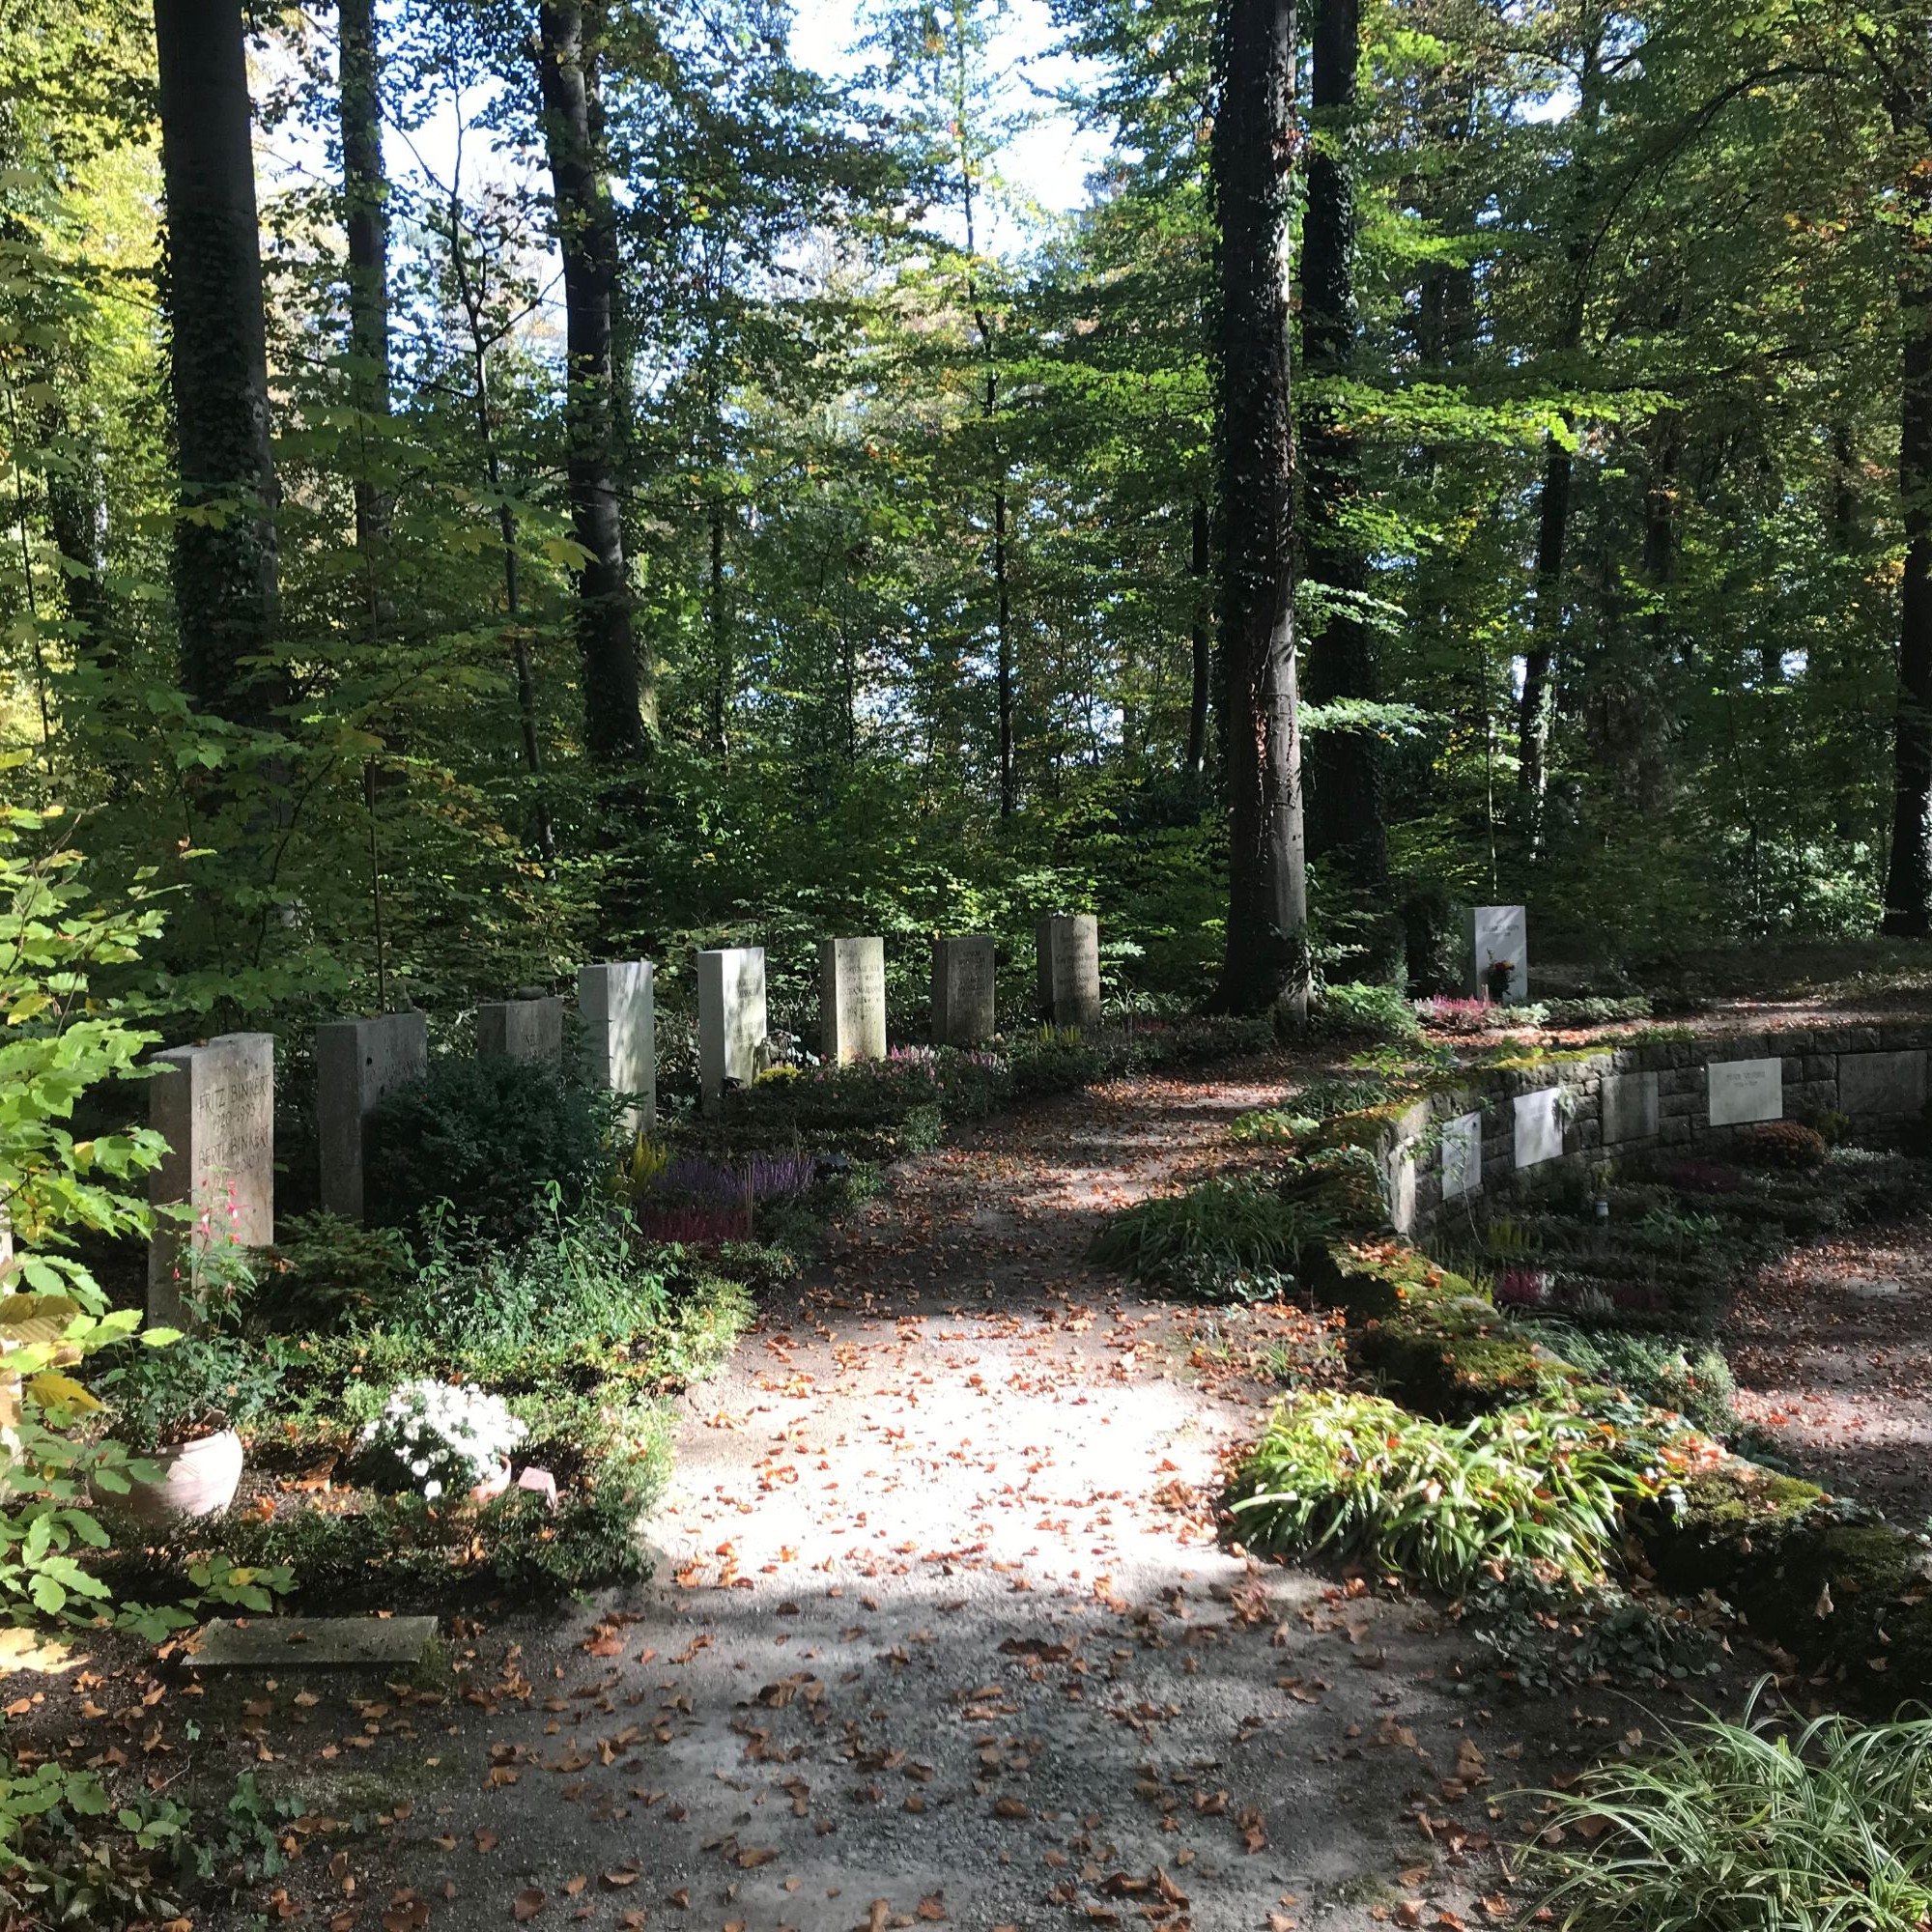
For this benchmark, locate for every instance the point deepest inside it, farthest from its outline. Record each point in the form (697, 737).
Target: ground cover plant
(1766, 1824)
(1360, 1478)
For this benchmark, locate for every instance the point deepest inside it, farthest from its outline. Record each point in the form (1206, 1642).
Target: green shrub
(492, 1136)
(1596, 1009)
(1231, 1223)
(1670, 1371)
(1750, 1827)
(328, 1271)
(1440, 1503)
(1361, 1011)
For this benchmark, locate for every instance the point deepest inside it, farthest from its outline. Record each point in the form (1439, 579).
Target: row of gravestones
(217, 1112)
(1738, 1092)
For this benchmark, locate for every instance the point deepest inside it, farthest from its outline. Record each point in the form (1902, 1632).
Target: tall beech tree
(1254, 144)
(225, 561)
(365, 215)
(1345, 802)
(614, 692)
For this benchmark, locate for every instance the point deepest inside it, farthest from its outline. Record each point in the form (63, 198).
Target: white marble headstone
(852, 999)
(1741, 1091)
(619, 1007)
(1462, 1156)
(1500, 933)
(730, 1018)
(1539, 1126)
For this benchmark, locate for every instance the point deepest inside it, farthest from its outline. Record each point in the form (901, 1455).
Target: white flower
(432, 1490)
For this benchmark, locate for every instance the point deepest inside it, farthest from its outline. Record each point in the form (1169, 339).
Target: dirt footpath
(942, 1634)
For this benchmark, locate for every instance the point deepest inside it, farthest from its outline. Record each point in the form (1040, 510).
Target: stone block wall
(1625, 1100)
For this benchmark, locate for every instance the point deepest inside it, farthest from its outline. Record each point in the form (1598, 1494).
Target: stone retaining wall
(1632, 1099)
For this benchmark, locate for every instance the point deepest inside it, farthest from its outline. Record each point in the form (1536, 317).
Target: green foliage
(1372, 1012)
(1681, 1373)
(495, 1137)
(191, 1387)
(1232, 1228)
(1359, 1477)
(1786, 1145)
(1763, 1826)
(332, 1272)
(1556, 1634)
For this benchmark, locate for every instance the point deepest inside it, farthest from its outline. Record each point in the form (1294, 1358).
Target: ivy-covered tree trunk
(367, 222)
(614, 718)
(1266, 960)
(1344, 793)
(1908, 883)
(225, 559)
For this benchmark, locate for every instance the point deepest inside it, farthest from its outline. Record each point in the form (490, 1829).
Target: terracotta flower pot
(198, 1479)
(491, 1487)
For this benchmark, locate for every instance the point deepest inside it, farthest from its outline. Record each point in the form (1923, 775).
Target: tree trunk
(366, 219)
(1536, 709)
(1908, 883)
(1003, 617)
(225, 565)
(1266, 962)
(724, 669)
(1203, 641)
(613, 723)
(1344, 797)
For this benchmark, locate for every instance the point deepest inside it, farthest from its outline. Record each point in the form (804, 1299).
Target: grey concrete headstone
(1630, 1107)
(1067, 951)
(521, 1028)
(297, 1643)
(1462, 1156)
(851, 999)
(1882, 1083)
(962, 990)
(1498, 933)
(1741, 1091)
(619, 1007)
(731, 1021)
(215, 1106)
(1539, 1126)
(357, 1062)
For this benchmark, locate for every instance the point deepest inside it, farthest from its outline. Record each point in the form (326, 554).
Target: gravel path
(1832, 1347)
(942, 1633)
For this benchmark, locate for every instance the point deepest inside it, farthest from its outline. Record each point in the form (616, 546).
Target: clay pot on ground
(491, 1487)
(198, 1479)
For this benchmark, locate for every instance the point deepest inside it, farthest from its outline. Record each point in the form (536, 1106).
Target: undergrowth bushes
(1752, 1826)
(1360, 1477)
(1228, 1238)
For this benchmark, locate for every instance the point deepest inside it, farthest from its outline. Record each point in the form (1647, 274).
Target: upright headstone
(851, 999)
(1539, 1126)
(962, 990)
(1741, 1091)
(1630, 1111)
(619, 1007)
(730, 1018)
(1882, 1083)
(527, 1029)
(357, 1062)
(215, 1108)
(1499, 935)
(1067, 948)
(1462, 1156)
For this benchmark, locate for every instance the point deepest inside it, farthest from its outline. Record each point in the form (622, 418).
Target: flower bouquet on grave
(442, 1438)
(1496, 977)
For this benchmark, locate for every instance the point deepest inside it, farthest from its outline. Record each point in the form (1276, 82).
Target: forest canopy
(493, 479)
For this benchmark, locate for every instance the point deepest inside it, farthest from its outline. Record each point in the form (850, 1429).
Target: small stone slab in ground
(293, 1643)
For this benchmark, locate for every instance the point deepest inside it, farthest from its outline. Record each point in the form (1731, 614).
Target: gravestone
(527, 1029)
(1461, 1157)
(215, 1108)
(357, 1062)
(962, 990)
(1882, 1083)
(1539, 1126)
(1066, 948)
(730, 1018)
(1399, 1167)
(1498, 933)
(1630, 1111)
(619, 1007)
(1741, 1091)
(851, 1000)
(312, 1643)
